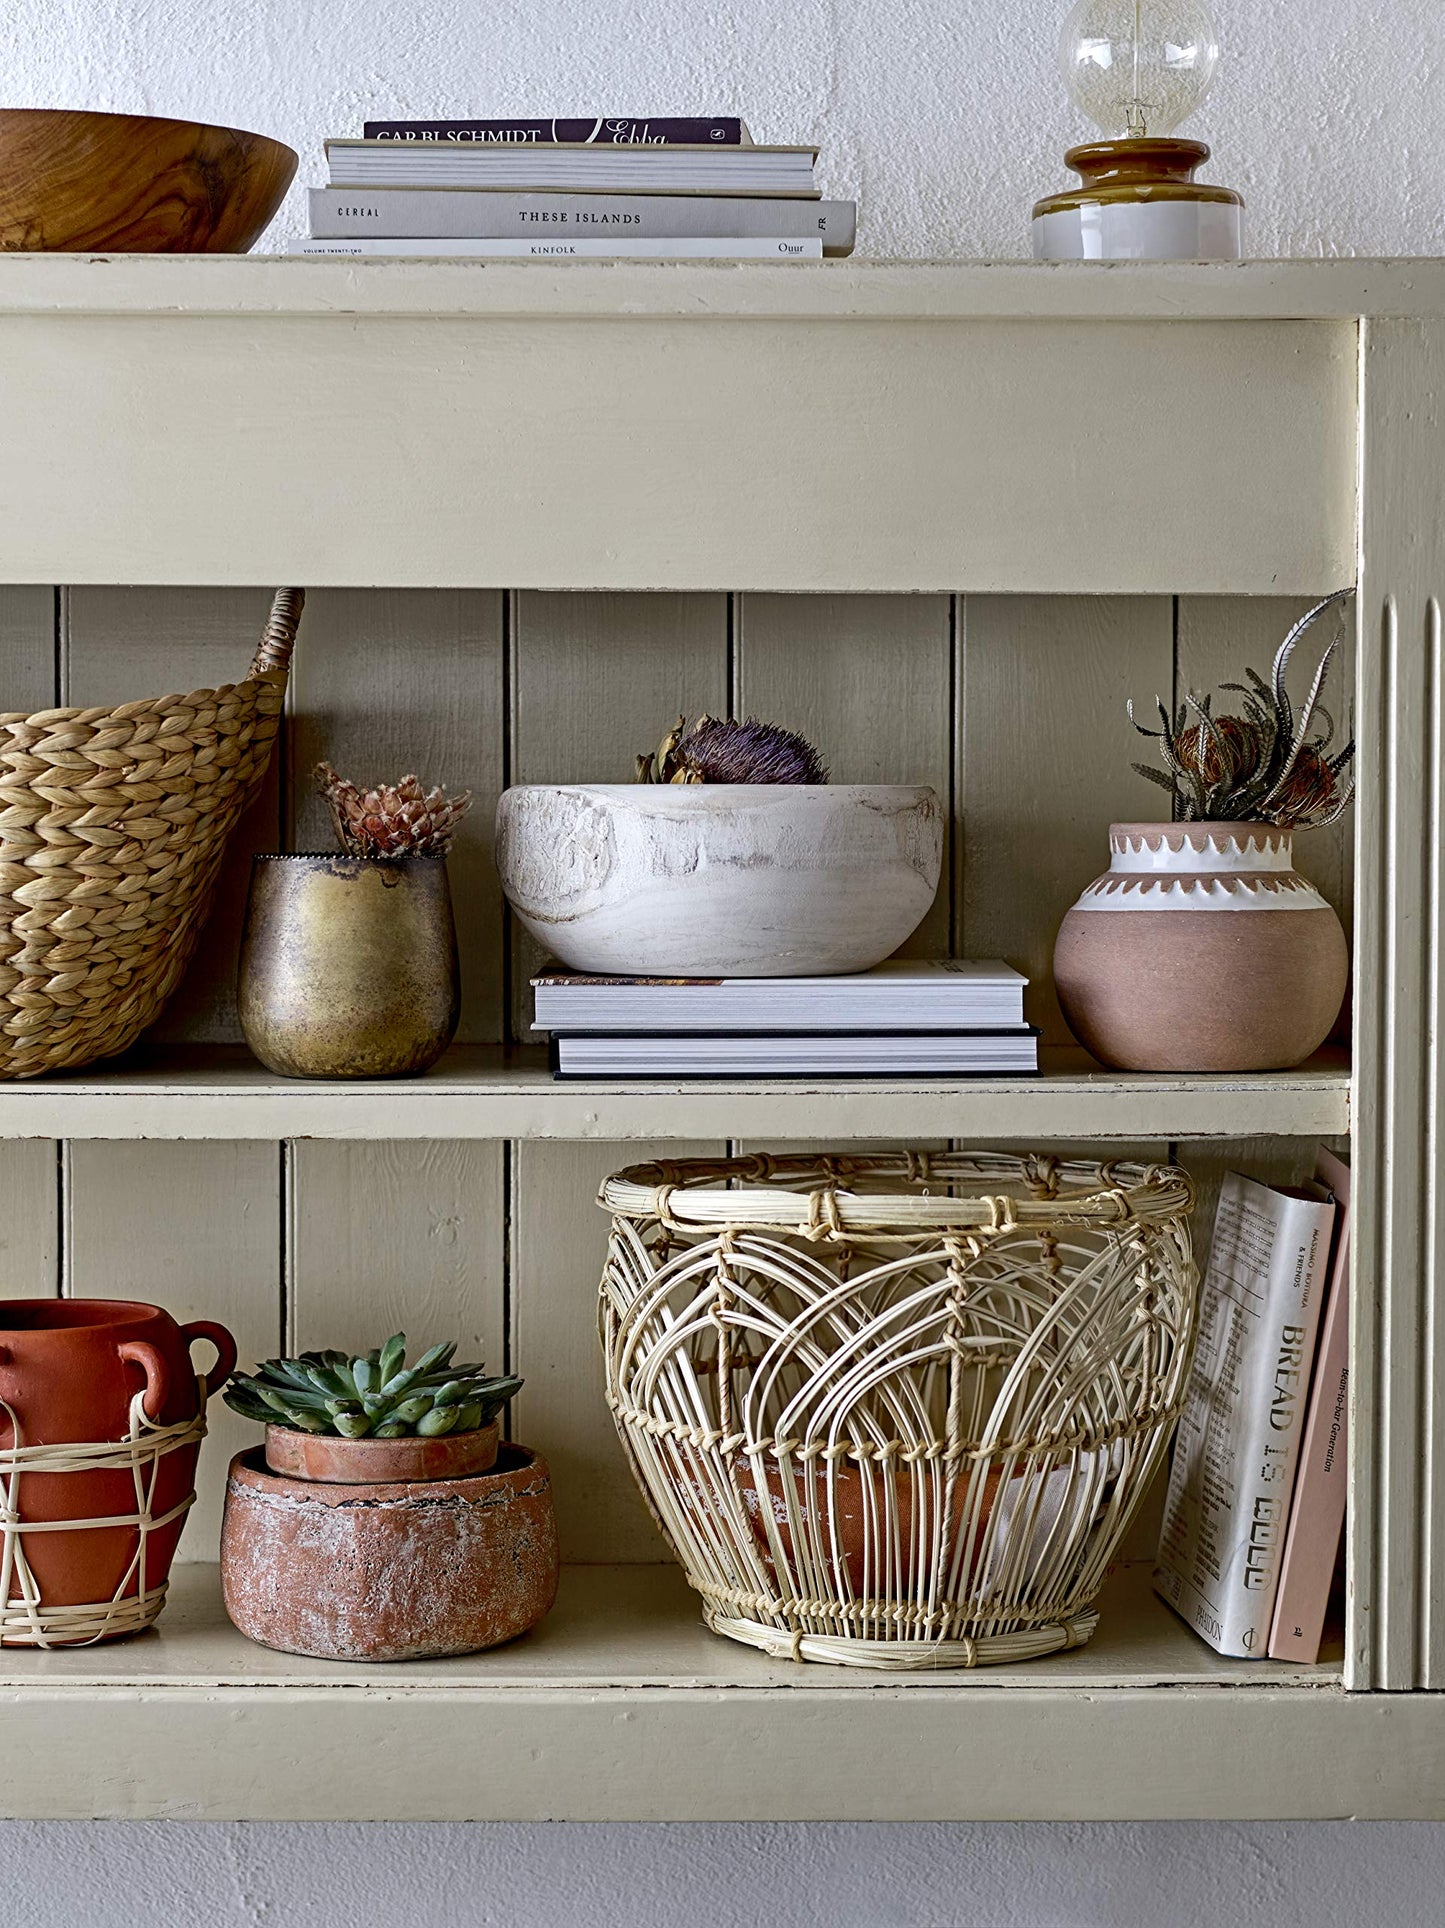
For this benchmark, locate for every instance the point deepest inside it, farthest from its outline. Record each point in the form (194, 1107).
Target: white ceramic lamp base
(1138, 201)
(1140, 231)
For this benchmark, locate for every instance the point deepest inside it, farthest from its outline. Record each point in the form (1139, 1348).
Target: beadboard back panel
(29, 1211)
(1012, 707)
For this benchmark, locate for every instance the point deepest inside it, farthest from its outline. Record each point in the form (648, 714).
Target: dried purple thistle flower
(719, 750)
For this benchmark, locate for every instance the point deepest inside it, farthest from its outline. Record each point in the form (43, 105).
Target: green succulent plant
(376, 1395)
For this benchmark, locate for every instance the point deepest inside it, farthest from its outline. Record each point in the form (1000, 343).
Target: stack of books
(1256, 1504)
(949, 1018)
(612, 186)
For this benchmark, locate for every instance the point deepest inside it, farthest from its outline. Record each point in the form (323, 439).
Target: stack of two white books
(949, 1017)
(612, 186)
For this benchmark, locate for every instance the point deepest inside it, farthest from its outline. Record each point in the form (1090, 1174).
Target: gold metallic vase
(348, 965)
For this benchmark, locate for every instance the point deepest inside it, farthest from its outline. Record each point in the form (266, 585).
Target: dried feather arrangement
(1266, 763)
(717, 750)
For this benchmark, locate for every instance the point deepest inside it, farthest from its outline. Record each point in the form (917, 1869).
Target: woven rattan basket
(113, 823)
(897, 1410)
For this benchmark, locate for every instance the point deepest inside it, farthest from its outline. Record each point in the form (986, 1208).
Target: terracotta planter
(348, 965)
(389, 1572)
(850, 1530)
(371, 1462)
(69, 1369)
(1201, 949)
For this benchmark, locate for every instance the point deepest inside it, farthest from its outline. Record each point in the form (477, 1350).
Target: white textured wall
(171, 1875)
(945, 118)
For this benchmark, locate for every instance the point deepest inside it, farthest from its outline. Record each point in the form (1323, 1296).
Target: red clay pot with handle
(69, 1369)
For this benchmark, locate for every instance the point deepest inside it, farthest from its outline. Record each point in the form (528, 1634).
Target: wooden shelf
(899, 411)
(481, 1092)
(622, 1706)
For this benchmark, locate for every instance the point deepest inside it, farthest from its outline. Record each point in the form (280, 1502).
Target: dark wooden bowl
(77, 182)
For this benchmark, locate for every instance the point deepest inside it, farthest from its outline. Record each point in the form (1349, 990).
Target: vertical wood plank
(407, 1237)
(192, 1227)
(1218, 637)
(29, 1169)
(868, 679)
(388, 682)
(29, 1219)
(27, 647)
(118, 645)
(1396, 1532)
(1044, 749)
(561, 1243)
(596, 680)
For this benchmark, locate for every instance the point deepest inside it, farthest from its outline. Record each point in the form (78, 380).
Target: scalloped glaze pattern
(1202, 892)
(1198, 848)
(1200, 867)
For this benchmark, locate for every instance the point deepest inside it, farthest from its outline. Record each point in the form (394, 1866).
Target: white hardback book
(497, 214)
(858, 1054)
(903, 995)
(701, 169)
(667, 248)
(1237, 1449)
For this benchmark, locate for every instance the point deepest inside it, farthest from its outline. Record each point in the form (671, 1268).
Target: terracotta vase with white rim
(1201, 948)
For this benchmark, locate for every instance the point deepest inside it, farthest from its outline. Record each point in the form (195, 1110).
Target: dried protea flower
(1265, 764)
(1224, 750)
(715, 750)
(394, 820)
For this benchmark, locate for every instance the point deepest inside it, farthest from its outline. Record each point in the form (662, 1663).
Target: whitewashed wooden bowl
(720, 880)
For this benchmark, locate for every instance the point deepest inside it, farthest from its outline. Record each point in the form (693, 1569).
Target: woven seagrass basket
(897, 1410)
(113, 824)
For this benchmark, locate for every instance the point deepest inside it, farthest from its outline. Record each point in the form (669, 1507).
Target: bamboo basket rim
(733, 1194)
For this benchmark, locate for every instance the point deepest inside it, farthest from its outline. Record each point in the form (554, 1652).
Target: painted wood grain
(883, 455)
(388, 682)
(869, 680)
(406, 1237)
(29, 1219)
(27, 646)
(193, 1228)
(1396, 1531)
(559, 1248)
(29, 1169)
(121, 644)
(595, 681)
(1044, 750)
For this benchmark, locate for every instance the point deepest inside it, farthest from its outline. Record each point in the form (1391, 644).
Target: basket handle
(279, 635)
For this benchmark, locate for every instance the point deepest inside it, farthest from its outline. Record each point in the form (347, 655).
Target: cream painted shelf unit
(943, 516)
(489, 1092)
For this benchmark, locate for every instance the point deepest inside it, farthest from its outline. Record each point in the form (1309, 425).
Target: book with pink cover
(1317, 1513)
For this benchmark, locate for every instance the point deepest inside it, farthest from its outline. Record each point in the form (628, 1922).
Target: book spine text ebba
(620, 130)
